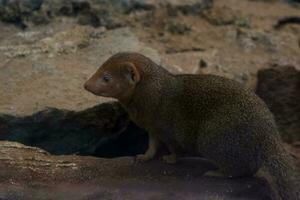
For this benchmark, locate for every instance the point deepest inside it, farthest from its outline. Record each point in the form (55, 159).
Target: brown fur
(198, 115)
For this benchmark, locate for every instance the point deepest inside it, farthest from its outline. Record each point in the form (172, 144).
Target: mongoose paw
(170, 159)
(143, 158)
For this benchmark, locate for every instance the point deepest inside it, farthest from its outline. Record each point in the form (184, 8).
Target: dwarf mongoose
(203, 115)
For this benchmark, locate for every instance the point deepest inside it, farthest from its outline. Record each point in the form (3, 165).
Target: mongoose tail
(284, 174)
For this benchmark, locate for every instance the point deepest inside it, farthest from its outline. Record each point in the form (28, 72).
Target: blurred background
(48, 48)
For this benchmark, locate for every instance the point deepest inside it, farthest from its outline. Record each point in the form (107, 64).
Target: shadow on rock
(103, 131)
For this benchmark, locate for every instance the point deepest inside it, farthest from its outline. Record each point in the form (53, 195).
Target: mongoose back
(203, 115)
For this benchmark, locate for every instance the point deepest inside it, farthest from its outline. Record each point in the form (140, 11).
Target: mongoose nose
(86, 86)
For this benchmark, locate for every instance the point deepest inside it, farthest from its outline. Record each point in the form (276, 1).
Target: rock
(17, 12)
(57, 7)
(177, 28)
(184, 61)
(279, 87)
(177, 6)
(43, 11)
(31, 173)
(60, 61)
(128, 6)
(187, 7)
(90, 12)
(225, 16)
(250, 40)
(62, 42)
(121, 39)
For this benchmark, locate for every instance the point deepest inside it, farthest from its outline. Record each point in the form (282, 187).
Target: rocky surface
(91, 12)
(59, 61)
(31, 173)
(49, 48)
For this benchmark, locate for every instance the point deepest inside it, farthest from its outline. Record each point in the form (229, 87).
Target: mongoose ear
(132, 73)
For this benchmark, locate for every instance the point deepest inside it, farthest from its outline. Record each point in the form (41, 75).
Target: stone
(121, 39)
(17, 12)
(250, 40)
(61, 62)
(177, 28)
(279, 88)
(128, 6)
(188, 7)
(221, 16)
(90, 12)
(31, 173)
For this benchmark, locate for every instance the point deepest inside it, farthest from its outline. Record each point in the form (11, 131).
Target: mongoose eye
(106, 78)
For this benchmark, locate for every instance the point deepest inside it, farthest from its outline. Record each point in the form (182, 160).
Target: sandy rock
(76, 177)
(61, 62)
(61, 42)
(119, 40)
(226, 16)
(199, 61)
(188, 7)
(251, 40)
(177, 28)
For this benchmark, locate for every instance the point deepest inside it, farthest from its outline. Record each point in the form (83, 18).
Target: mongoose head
(116, 78)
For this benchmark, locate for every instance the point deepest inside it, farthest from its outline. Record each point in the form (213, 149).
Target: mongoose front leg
(151, 151)
(214, 173)
(172, 157)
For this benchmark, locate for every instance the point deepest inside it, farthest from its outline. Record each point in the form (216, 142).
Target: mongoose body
(198, 115)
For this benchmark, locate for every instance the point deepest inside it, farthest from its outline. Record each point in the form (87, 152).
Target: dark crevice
(287, 20)
(103, 131)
